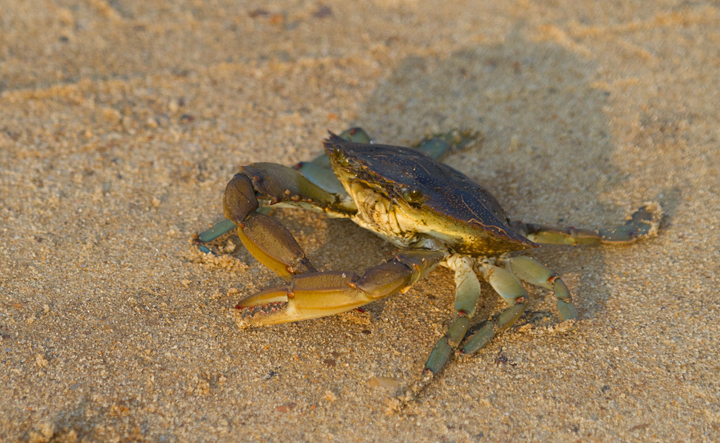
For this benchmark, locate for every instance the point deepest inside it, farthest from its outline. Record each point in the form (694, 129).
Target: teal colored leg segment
(319, 171)
(434, 148)
(467, 294)
(204, 249)
(211, 234)
(479, 339)
(357, 135)
(529, 270)
(510, 289)
(322, 161)
(439, 356)
(440, 145)
(493, 327)
(321, 176)
(216, 231)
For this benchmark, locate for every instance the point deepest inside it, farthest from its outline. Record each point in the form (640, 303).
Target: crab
(434, 213)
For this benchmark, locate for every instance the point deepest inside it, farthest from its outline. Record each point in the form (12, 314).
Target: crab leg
(643, 223)
(319, 294)
(467, 294)
(529, 270)
(266, 239)
(319, 170)
(466, 298)
(510, 289)
(440, 145)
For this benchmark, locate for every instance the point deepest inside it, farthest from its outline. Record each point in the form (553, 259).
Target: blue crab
(434, 213)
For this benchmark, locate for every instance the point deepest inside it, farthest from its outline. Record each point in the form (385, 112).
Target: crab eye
(413, 195)
(340, 156)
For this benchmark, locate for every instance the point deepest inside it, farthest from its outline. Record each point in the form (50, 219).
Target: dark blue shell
(456, 202)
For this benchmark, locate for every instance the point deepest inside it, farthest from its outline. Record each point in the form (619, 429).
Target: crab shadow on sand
(547, 155)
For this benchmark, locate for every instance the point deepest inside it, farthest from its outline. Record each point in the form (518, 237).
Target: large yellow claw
(307, 296)
(318, 294)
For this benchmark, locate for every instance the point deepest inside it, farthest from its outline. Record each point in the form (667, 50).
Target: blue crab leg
(642, 224)
(440, 145)
(321, 175)
(510, 289)
(466, 297)
(529, 270)
(467, 294)
(319, 170)
(319, 294)
(216, 231)
(356, 135)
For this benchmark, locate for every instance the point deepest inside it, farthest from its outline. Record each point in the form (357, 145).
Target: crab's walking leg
(467, 294)
(219, 229)
(319, 294)
(466, 298)
(643, 223)
(439, 146)
(266, 239)
(319, 170)
(529, 270)
(216, 231)
(510, 288)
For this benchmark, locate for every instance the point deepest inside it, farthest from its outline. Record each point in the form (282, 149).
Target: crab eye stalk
(413, 196)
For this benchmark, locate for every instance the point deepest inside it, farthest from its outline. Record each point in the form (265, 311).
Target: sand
(121, 123)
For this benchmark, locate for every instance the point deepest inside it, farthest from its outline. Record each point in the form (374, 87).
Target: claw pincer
(310, 295)
(266, 239)
(319, 294)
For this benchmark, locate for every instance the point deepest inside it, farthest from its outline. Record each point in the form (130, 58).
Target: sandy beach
(122, 121)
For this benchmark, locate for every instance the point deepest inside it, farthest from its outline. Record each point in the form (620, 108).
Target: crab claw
(318, 294)
(307, 296)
